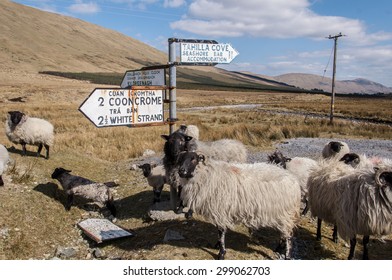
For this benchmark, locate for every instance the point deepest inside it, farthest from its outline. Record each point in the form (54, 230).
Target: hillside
(309, 81)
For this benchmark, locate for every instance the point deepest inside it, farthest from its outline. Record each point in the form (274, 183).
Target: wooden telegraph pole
(333, 74)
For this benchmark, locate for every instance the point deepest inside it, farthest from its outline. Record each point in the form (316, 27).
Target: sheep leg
(173, 197)
(289, 248)
(157, 195)
(353, 242)
(318, 236)
(111, 208)
(24, 153)
(1, 181)
(335, 234)
(39, 150)
(69, 202)
(181, 205)
(221, 244)
(306, 209)
(365, 242)
(47, 151)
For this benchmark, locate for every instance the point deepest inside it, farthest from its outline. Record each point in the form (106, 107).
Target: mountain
(309, 81)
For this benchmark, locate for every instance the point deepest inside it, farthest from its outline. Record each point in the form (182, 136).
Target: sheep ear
(165, 137)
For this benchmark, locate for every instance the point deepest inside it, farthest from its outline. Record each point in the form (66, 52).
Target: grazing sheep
(76, 185)
(335, 149)
(299, 167)
(22, 129)
(4, 158)
(226, 194)
(156, 178)
(365, 204)
(177, 142)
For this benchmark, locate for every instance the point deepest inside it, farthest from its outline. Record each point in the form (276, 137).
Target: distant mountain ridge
(310, 82)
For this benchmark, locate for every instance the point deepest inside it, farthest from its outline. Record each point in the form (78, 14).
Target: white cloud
(269, 18)
(84, 8)
(173, 3)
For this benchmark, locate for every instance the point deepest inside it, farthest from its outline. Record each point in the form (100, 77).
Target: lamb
(299, 167)
(365, 204)
(335, 149)
(76, 185)
(177, 142)
(226, 194)
(4, 159)
(22, 129)
(156, 178)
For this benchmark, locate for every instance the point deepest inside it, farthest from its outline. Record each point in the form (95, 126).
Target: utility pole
(333, 74)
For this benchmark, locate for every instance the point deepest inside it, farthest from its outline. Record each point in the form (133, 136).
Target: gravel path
(312, 147)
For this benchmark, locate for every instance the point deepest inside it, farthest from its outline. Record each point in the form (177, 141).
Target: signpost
(195, 52)
(153, 77)
(132, 107)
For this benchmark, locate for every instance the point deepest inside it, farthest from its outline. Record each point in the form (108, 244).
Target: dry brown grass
(33, 222)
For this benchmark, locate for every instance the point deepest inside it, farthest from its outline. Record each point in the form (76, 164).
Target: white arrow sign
(207, 53)
(114, 107)
(154, 77)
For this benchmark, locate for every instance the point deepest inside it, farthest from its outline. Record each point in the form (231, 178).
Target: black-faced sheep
(156, 178)
(226, 194)
(22, 129)
(79, 186)
(365, 204)
(225, 149)
(335, 149)
(4, 158)
(300, 167)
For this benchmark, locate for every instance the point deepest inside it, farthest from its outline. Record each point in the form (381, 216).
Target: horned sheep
(22, 129)
(79, 186)
(364, 204)
(4, 159)
(156, 178)
(226, 194)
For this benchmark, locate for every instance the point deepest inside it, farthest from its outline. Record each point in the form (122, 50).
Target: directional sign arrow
(115, 107)
(207, 53)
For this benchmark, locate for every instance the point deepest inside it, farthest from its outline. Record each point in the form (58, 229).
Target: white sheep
(226, 194)
(22, 129)
(79, 186)
(226, 149)
(300, 167)
(365, 204)
(335, 149)
(156, 178)
(4, 159)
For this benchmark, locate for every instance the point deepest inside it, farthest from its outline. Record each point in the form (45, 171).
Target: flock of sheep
(214, 180)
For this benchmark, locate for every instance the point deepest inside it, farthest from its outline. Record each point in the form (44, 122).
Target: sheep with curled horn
(227, 194)
(365, 205)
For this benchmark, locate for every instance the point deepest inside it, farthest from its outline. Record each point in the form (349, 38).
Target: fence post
(172, 84)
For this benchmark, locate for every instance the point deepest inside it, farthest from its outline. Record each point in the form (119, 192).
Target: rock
(65, 252)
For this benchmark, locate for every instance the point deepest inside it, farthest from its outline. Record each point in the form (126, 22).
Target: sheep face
(335, 146)
(278, 159)
(59, 171)
(351, 159)
(15, 117)
(176, 143)
(187, 163)
(146, 168)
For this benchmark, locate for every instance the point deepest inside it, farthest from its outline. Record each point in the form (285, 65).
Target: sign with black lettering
(130, 107)
(154, 77)
(194, 53)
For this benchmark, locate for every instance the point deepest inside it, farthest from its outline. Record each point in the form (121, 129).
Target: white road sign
(131, 107)
(207, 53)
(154, 77)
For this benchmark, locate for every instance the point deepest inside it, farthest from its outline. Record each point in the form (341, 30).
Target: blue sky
(273, 37)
